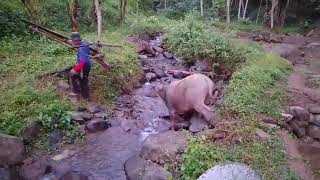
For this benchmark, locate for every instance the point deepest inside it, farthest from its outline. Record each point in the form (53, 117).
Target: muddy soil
(135, 116)
(303, 89)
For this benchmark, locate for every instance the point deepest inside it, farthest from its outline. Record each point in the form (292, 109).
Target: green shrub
(141, 24)
(193, 40)
(199, 157)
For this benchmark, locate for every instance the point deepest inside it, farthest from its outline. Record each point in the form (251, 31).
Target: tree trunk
(283, 14)
(201, 7)
(165, 4)
(99, 22)
(137, 6)
(122, 9)
(259, 12)
(239, 8)
(74, 16)
(245, 10)
(228, 11)
(93, 15)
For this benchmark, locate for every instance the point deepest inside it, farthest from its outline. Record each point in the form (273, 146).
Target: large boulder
(138, 168)
(232, 171)
(314, 131)
(35, 169)
(11, 150)
(159, 72)
(299, 113)
(164, 147)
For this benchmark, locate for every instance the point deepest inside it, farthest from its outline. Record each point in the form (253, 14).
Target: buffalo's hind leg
(173, 119)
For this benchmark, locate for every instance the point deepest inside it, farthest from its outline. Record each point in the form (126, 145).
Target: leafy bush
(141, 24)
(192, 39)
(200, 157)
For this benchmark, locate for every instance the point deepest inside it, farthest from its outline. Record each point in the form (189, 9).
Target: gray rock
(159, 72)
(97, 124)
(11, 150)
(287, 117)
(314, 109)
(55, 137)
(158, 49)
(315, 119)
(31, 131)
(164, 147)
(76, 117)
(167, 55)
(313, 131)
(35, 170)
(204, 65)
(142, 57)
(299, 131)
(63, 86)
(299, 113)
(72, 175)
(263, 135)
(231, 171)
(8, 173)
(101, 115)
(128, 125)
(151, 77)
(138, 168)
(182, 125)
(93, 107)
(146, 69)
(308, 139)
(198, 124)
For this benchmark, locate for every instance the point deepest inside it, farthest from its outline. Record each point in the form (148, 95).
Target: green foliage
(248, 92)
(21, 104)
(141, 24)
(200, 157)
(192, 39)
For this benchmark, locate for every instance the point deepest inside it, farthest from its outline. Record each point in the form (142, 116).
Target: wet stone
(151, 77)
(77, 117)
(138, 168)
(158, 49)
(167, 55)
(164, 147)
(93, 107)
(146, 69)
(101, 115)
(97, 124)
(159, 72)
